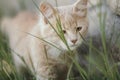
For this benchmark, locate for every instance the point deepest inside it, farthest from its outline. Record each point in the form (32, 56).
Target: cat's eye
(64, 31)
(78, 28)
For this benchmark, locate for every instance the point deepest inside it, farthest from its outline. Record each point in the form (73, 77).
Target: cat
(26, 30)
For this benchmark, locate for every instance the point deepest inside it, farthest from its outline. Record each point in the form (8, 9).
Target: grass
(101, 63)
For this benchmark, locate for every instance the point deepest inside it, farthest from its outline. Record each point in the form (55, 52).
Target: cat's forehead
(68, 19)
(67, 15)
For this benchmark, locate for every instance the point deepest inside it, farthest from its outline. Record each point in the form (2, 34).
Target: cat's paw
(47, 73)
(38, 77)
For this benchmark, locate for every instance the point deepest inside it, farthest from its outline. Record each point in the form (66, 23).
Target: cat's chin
(71, 47)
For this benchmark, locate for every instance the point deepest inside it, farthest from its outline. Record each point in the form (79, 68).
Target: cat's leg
(38, 77)
(52, 71)
(44, 71)
(42, 68)
(47, 72)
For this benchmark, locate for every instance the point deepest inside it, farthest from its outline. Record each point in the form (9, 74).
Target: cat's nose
(74, 41)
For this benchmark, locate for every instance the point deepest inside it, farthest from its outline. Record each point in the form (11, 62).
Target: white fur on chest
(54, 52)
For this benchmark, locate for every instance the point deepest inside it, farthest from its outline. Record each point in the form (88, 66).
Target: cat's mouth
(73, 46)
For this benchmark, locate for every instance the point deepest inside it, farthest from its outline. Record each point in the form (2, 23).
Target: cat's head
(73, 19)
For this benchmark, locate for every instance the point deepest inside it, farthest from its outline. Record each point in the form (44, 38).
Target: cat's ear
(47, 9)
(80, 8)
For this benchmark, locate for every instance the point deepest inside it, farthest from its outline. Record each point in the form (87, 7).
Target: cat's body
(45, 61)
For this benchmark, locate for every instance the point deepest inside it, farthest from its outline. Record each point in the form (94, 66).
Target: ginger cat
(45, 61)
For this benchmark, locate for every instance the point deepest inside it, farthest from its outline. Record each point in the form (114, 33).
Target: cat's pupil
(78, 28)
(64, 31)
